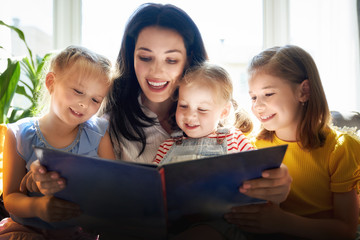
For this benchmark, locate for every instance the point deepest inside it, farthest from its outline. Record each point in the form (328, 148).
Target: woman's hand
(52, 209)
(257, 218)
(274, 185)
(39, 180)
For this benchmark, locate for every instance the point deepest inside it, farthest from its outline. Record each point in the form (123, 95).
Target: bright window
(232, 31)
(34, 18)
(328, 30)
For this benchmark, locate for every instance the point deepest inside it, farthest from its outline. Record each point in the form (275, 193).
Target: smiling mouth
(265, 118)
(76, 113)
(191, 126)
(157, 85)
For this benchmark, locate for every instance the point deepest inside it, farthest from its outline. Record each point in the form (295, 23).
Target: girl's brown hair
(295, 65)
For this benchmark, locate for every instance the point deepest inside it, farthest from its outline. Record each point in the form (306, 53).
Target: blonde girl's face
(76, 97)
(198, 111)
(276, 103)
(159, 61)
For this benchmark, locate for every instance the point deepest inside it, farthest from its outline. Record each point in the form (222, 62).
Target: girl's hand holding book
(38, 179)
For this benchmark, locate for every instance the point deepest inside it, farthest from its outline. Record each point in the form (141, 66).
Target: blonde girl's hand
(39, 180)
(52, 209)
(28, 184)
(257, 218)
(274, 185)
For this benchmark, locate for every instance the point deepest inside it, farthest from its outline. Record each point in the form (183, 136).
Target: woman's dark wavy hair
(295, 65)
(125, 114)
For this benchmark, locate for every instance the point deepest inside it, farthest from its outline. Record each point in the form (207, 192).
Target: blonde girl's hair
(218, 79)
(295, 65)
(87, 63)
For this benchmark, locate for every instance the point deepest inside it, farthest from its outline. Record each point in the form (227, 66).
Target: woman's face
(159, 61)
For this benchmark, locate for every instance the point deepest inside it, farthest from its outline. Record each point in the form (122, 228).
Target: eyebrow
(266, 87)
(168, 51)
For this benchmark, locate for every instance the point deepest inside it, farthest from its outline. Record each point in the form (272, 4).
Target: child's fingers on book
(37, 167)
(284, 182)
(281, 172)
(28, 184)
(269, 194)
(50, 187)
(48, 176)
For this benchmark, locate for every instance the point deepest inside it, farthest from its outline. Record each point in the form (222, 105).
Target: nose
(83, 105)
(258, 104)
(190, 115)
(156, 67)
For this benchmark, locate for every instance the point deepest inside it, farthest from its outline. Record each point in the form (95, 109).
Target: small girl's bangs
(85, 69)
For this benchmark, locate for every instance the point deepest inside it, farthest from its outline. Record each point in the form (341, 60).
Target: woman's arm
(274, 185)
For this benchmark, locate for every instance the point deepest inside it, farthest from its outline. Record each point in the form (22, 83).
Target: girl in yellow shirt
(289, 101)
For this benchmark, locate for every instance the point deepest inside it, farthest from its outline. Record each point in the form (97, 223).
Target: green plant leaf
(26, 113)
(9, 80)
(21, 90)
(31, 72)
(41, 63)
(25, 85)
(21, 36)
(14, 116)
(29, 69)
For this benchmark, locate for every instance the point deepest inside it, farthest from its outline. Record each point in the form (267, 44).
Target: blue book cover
(146, 200)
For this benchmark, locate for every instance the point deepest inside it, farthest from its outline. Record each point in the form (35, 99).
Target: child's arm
(274, 185)
(269, 218)
(47, 208)
(106, 149)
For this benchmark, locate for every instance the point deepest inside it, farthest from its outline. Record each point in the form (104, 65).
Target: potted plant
(20, 77)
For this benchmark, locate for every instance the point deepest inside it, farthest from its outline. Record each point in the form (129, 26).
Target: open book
(148, 200)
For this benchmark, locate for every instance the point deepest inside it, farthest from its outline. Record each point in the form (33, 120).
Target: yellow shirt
(318, 173)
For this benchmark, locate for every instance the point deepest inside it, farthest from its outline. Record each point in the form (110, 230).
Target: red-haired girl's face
(276, 103)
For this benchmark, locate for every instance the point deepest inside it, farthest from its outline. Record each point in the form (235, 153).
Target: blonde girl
(204, 104)
(78, 82)
(289, 101)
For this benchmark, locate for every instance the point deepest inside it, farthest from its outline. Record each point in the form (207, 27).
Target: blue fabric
(28, 134)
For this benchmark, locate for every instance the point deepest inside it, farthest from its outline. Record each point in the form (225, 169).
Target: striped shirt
(236, 142)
